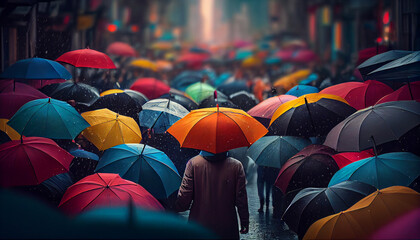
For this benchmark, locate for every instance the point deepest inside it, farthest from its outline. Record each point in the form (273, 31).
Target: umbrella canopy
(252, 61)
(244, 100)
(389, 169)
(310, 115)
(222, 100)
(380, 60)
(144, 63)
(150, 87)
(105, 189)
(139, 97)
(303, 56)
(300, 90)
(87, 58)
(79, 92)
(233, 87)
(285, 55)
(409, 91)
(367, 215)
(111, 91)
(345, 158)
(108, 129)
(312, 204)
(359, 94)
(14, 95)
(311, 78)
(31, 161)
(160, 114)
(48, 118)
(185, 79)
(367, 53)
(274, 151)
(40, 83)
(13, 135)
(121, 103)
(313, 166)
(190, 57)
(404, 227)
(163, 65)
(225, 129)
(222, 78)
(144, 165)
(403, 69)
(374, 125)
(83, 164)
(36, 68)
(121, 49)
(264, 111)
(291, 80)
(199, 91)
(185, 101)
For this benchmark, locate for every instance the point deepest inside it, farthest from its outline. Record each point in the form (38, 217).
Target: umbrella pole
(310, 116)
(131, 213)
(374, 146)
(409, 89)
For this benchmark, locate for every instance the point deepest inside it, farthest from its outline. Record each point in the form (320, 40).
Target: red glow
(134, 28)
(112, 27)
(66, 19)
(385, 18)
(379, 39)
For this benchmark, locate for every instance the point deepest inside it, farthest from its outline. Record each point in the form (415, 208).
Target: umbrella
(150, 87)
(252, 61)
(138, 223)
(121, 49)
(199, 91)
(225, 129)
(121, 103)
(48, 118)
(303, 56)
(310, 115)
(13, 135)
(367, 53)
(389, 169)
(222, 78)
(79, 92)
(199, 50)
(40, 83)
(311, 78)
(272, 60)
(222, 100)
(233, 87)
(193, 57)
(36, 68)
(244, 100)
(142, 164)
(409, 91)
(137, 96)
(111, 91)
(359, 94)
(87, 58)
(162, 45)
(83, 164)
(313, 166)
(312, 204)
(58, 184)
(109, 129)
(345, 158)
(366, 216)
(380, 60)
(291, 80)
(185, 79)
(160, 114)
(105, 189)
(185, 101)
(300, 90)
(14, 95)
(405, 69)
(374, 125)
(163, 65)
(404, 227)
(274, 151)
(264, 111)
(144, 63)
(31, 160)
(285, 55)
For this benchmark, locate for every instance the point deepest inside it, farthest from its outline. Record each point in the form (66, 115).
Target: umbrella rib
(61, 119)
(162, 164)
(243, 134)
(30, 118)
(33, 168)
(129, 128)
(87, 205)
(392, 130)
(159, 177)
(29, 146)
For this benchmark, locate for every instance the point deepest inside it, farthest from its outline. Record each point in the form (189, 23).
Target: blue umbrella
(390, 169)
(84, 154)
(186, 78)
(243, 54)
(272, 60)
(222, 78)
(198, 50)
(48, 118)
(159, 114)
(300, 90)
(312, 77)
(144, 165)
(36, 68)
(58, 184)
(274, 151)
(233, 87)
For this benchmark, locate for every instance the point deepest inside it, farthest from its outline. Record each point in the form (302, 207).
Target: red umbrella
(104, 190)
(121, 49)
(87, 58)
(345, 158)
(15, 95)
(31, 161)
(304, 56)
(150, 87)
(193, 57)
(285, 55)
(405, 92)
(367, 53)
(360, 94)
(265, 109)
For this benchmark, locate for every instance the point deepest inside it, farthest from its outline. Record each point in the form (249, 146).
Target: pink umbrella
(345, 158)
(404, 227)
(36, 83)
(359, 94)
(121, 49)
(304, 56)
(265, 109)
(403, 93)
(285, 55)
(241, 43)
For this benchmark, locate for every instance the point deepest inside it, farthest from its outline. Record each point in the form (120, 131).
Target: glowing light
(386, 29)
(338, 35)
(385, 18)
(134, 28)
(112, 27)
(379, 39)
(206, 9)
(312, 26)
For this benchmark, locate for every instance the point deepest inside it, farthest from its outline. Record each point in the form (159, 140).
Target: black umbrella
(121, 103)
(380, 60)
(83, 164)
(374, 125)
(312, 204)
(79, 92)
(137, 96)
(211, 102)
(233, 87)
(244, 100)
(186, 102)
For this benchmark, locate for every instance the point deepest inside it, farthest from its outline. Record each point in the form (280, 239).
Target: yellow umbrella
(291, 80)
(111, 91)
(252, 62)
(108, 129)
(366, 216)
(144, 63)
(8, 130)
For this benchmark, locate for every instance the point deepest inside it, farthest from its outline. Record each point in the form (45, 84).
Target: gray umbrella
(380, 60)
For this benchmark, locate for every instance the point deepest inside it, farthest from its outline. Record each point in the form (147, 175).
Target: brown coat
(215, 188)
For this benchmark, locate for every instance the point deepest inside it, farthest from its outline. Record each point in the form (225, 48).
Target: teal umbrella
(142, 164)
(390, 169)
(49, 118)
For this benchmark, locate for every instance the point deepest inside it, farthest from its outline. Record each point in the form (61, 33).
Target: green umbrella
(199, 91)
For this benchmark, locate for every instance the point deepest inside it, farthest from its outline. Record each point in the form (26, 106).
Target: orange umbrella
(367, 215)
(217, 129)
(291, 80)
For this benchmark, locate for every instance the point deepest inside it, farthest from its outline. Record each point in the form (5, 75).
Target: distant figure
(265, 180)
(215, 184)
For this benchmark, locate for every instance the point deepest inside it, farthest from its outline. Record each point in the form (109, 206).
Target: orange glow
(338, 35)
(312, 26)
(134, 28)
(112, 27)
(206, 9)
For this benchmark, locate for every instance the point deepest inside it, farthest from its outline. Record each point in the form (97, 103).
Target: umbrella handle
(374, 145)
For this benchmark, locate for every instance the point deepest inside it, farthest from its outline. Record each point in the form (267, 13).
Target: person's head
(214, 157)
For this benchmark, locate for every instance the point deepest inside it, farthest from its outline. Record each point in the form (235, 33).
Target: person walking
(216, 186)
(266, 176)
